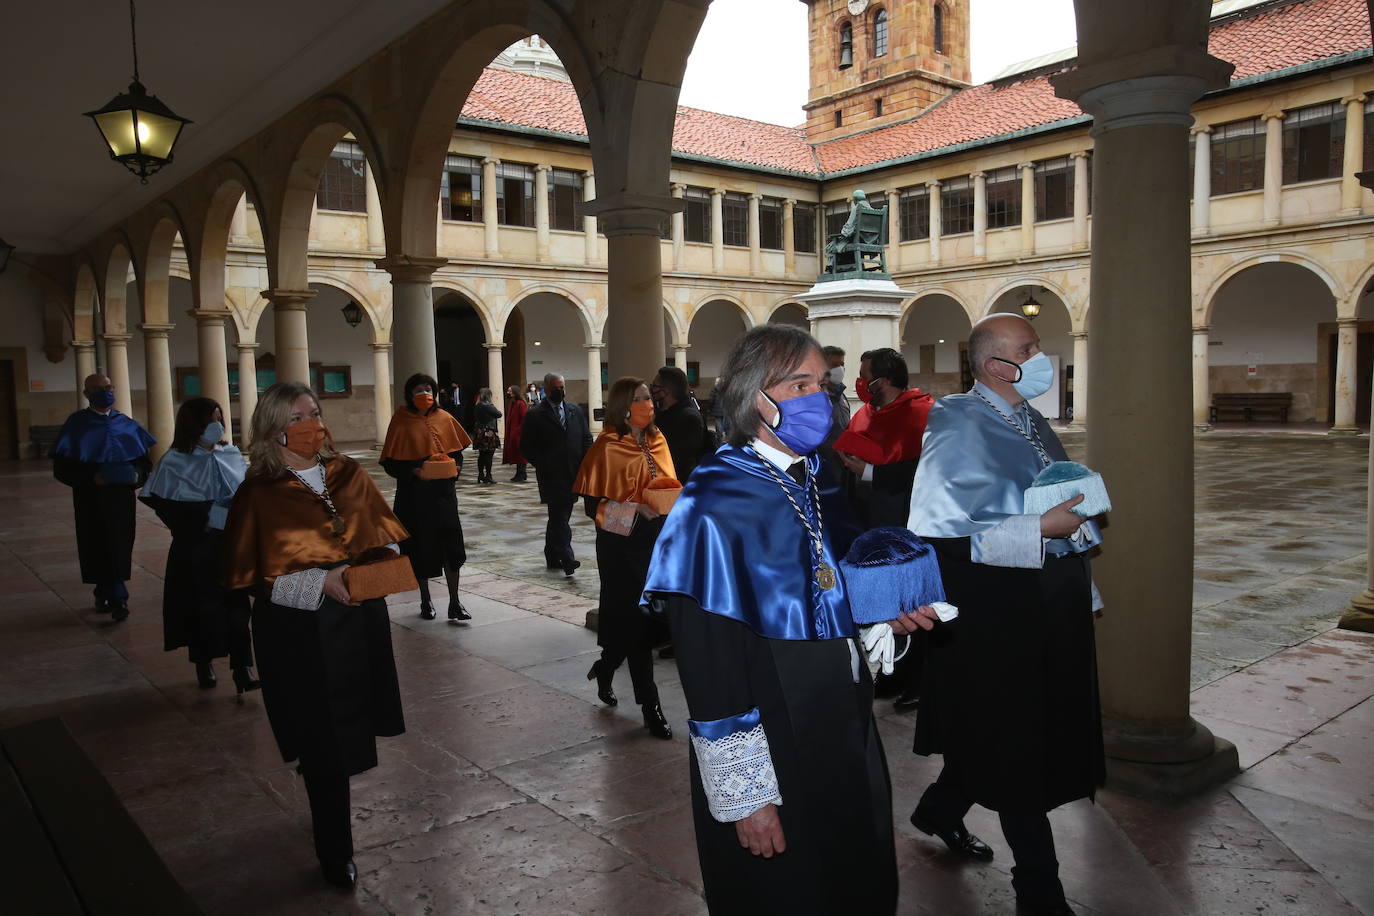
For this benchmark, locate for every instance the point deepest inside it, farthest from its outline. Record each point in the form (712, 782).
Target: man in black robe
(790, 791)
(103, 456)
(554, 439)
(679, 419)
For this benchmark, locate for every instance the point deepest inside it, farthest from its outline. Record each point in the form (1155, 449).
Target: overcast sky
(750, 59)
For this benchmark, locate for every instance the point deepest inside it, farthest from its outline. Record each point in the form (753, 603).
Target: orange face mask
(641, 414)
(423, 401)
(305, 438)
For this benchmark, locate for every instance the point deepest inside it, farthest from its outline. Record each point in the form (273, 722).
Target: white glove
(880, 644)
(945, 611)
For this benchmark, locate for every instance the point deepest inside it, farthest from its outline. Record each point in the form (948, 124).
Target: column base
(1169, 762)
(1343, 431)
(1360, 615)
(1202, 427)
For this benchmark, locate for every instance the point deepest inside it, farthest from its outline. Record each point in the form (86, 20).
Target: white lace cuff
(736, 765)
(302, 590)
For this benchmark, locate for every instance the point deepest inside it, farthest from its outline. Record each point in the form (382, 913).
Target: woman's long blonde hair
(270, 420)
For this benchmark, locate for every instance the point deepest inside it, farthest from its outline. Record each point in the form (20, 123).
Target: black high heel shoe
(244, 680)
(457, 613)
(205, 675)
(342, 875)
(604, 691)
(656, 722)
(427, 611)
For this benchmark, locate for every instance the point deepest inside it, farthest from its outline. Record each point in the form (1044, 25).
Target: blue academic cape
(97, 438)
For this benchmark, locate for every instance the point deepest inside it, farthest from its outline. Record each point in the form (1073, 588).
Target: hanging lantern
(1030, 308)
(352, 313)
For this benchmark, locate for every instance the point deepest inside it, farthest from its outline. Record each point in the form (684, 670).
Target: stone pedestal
(856, 315)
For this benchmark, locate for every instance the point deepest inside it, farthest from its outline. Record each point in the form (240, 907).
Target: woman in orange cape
(423, 451)
(628, 459)
(301, 517)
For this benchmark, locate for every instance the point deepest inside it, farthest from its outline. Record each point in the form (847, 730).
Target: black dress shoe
(244, 680)
(205, 675)
(604, 692)
(340, 874)
(907, 699)
(119, 611)
(570, 567)
(426, 611)
(550, 564)
(957, 838)
(457, 613)
(656, 722)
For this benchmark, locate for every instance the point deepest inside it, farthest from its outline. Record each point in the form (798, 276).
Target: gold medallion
(336, 525)
(825, 577)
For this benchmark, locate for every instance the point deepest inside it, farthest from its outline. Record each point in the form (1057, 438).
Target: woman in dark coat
(484, 417)
(302, 516)
(190, 489)
(423, 451)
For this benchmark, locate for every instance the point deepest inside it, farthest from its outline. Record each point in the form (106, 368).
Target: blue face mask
(802, 423)
(102, 399)
(1033, 377)
(214, 432)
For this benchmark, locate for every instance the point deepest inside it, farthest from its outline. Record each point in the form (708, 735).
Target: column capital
(543, 167)
(591, 346)
(1200, 129)
(589, 173)
(1025, 165)
(83, 344)
(1348, 322)
(489, 160)
(1273, 116)
(789, 202)
(978, 175)
(1202, 328)
(1078, 335)
(717, 193)
(406, 268)
(495, 346)
(630, 213)
(1352, 99)
(756, 196)
(381, 347)
(116, 338)
(205, 317)
(679, 189)
(1154, 86)
(933, 184)
(1080, 154)
(246, 346)
(682, 347)
(156, 330)
(288, 299)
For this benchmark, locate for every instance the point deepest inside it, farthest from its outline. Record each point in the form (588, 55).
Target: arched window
(939, 28)
(880, 33)
(846, 46)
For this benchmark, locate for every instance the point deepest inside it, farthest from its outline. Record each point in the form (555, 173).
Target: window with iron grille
(956, 206)
(880, 34)
(770, 223)
(1237, 156)
(804, 227)
(1053, 189)
(565, 200)
(1313, 143)
(1004, 197)
(514, 194)
(696, 217)
(913, 210)
(734, 217)
(460, 189)
(343, 180)
(836, 213)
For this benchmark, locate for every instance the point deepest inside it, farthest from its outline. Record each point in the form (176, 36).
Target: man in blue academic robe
(103, 456)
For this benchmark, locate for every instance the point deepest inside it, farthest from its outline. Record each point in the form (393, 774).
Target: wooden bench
(43, 438)
(67, 845)
(1249, 406)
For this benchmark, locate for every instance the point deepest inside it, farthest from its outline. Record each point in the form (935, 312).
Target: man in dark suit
(679, 419)
(554, 439)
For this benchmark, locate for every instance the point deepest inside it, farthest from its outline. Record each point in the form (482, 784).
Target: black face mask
(556, 395)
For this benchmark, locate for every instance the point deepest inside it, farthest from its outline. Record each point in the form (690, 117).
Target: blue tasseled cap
(1059, 472)
(889, 571)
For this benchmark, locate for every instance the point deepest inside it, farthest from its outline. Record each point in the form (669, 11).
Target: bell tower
(876, 62)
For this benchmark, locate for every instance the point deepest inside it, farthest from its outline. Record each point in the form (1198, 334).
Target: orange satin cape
(890, 433)
(615, 469)
(413, 436)
(277, 525)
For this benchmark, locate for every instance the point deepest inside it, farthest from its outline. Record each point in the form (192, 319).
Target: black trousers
(558, 533)
(1035, 876)
(484, 464)
(330, 817)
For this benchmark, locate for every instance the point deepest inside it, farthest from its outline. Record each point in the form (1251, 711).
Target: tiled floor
(514, 791)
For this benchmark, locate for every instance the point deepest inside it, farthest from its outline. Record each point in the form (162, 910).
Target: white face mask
(1033, 377)
(837, 374)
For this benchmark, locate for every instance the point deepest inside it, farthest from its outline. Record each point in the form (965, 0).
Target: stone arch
(229, 182)
(1350, 306)
(381, 331)
(790, 311)
(947, 291)
(1207, 302)
(157, 262)
(84, 302)
(676, 334)
(702, 301)
(711, 331)
(118, 259)
(584, 315)
(935, 344)
(1062, 294)
(491, 323)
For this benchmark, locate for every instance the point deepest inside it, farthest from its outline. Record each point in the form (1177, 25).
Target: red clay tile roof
(1286, 36)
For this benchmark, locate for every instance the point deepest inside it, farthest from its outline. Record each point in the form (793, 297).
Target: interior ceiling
(232, 68)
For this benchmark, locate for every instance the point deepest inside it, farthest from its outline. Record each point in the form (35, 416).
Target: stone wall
(1299, 378)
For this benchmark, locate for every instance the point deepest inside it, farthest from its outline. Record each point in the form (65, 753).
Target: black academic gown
(682, 425)
(429, 510)
(104, 519)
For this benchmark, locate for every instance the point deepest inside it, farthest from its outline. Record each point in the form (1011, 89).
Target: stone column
(541, 211)
(1141, 311)
(412, 315)
(755, 253)
(491, 232)
(1273, 167)
(248, 389)
(157, 373)
(591, 255)
(980, 214)
(381, 389)
(214, 361)
(894, 230)
(934, 188)
(496, 383)
(238, 224)
(1347, 384)
(1202, 383)
(717, 231)
(594, 384)
(117, 368)
(789, 237)
(1027, 207)
(680, 356)
(679, 227)
(1202, 180)
(288, 322)
(1082, 199)
(85, 366)
(1360, 614)
(1352, 195)
(376, 234)
(1080, 378)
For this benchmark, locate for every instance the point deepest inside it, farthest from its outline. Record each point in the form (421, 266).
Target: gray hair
(984, 343)
(764, 356)
(549, 377)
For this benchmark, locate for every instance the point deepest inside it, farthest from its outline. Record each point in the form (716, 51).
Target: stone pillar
(755, 253)
(117, 368)
(157, 373)
(1273, 168)
(980, 214)
(679, 227)
(214, 361)
(591, 255)
(491, 231)
(248, 389)
(594, 384)
(85, 366)
(1360, 615)
(1346, 382)
(934, 188)
(894, 230)
(1080, 378)
(288, 322)
(1352, 195)
(541, 211)
(1027, 207)
(381, 389)
(1082, 199)
(496, 383)
(412, 315)
(789, 237)
(1202, 383)
(1141, 311)
(238, 224)
(717, 231)
(680, 356)
(1202, 180)
(376, 234)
